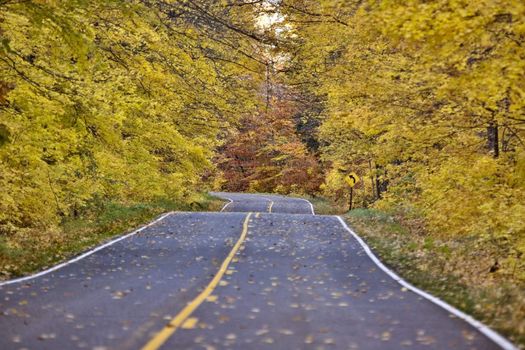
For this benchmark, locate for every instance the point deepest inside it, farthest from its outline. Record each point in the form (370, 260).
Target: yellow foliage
(425, 102)
(113, 101)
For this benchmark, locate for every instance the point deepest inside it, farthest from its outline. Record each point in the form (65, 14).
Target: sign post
(351, 180)
(351, 198)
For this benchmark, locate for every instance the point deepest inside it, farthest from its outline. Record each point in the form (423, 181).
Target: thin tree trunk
(378, 182)
(374, 193)
(381, 185)
(268, 87)
(493, 138)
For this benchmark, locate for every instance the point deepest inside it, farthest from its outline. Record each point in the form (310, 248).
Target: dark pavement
(297, 281)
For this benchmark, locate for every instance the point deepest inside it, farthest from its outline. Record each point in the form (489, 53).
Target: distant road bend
(265, 273)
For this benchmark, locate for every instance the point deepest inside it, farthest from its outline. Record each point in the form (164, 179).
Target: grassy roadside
(30, 251)
(454, 269)
(323, 206)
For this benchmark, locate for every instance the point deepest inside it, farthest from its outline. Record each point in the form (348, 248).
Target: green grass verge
(451, 268)
(322, 206)
(33, 250)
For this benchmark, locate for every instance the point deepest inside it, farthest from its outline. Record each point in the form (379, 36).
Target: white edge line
(311, 205)
(489, 333)
(82, 256)
(226, 205)
(269, 199)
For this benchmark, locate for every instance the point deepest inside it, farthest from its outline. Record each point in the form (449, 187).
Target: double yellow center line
(161, 337)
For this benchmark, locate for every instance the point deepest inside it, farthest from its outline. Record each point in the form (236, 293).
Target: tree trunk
(493, 139)
(268, 87)
(374, 193)
(378, 182)
(381, 185)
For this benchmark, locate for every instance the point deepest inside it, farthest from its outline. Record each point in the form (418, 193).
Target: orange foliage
(266, 154)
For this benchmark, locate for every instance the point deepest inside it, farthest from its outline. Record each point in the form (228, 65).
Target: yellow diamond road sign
(352, 179)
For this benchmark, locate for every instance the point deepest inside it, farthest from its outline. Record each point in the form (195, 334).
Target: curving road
(263, 274)
(243, 202)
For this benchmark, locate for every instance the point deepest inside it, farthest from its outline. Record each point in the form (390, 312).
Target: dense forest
(132, 101)
(115, 100)
(423, 100)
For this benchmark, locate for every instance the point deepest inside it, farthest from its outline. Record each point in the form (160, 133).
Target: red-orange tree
(265, 154)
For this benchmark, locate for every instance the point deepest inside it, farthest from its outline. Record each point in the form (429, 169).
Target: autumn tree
(425, 102)
(115, 100)
(266, 154)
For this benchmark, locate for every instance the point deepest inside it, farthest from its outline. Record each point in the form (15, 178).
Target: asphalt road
(263, 274)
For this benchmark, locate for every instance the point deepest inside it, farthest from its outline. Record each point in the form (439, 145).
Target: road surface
(265, 273)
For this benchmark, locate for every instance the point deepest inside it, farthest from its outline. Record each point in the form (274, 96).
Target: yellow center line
(270, 207)
(161, 337)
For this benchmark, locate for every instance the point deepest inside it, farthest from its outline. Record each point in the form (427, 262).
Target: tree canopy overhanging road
(265, 273)
(406, 117)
